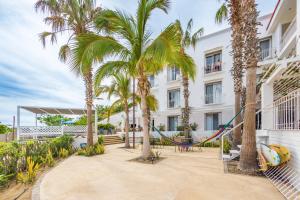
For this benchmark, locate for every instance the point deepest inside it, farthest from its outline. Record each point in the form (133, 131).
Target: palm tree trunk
(89, 105)
(237, 69)
(133, 111)
(248, 153)
(237, 134)
(186, 109)
(143, 87)
(127, 144)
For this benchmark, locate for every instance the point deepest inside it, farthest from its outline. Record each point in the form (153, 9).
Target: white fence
(46, 131)
(286, 111)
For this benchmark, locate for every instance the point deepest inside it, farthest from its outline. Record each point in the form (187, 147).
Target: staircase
(112, 139)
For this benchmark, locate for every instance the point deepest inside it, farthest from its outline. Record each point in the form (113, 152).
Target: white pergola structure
(280, 96)
(46, 131)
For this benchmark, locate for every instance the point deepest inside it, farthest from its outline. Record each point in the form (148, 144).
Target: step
(235, 152)
(226, 156)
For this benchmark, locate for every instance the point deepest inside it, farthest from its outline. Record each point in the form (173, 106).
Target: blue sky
(33, 76)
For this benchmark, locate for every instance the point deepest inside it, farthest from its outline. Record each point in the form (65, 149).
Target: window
(213, 62)
(213, 93)
(265, 49)
(174, 98)
(151, 80)
(173, 74)
(172, 123)
(212, 121)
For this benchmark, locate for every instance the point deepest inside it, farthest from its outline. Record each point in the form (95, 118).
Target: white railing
(213, 68)
(289, 33)
(230, 131)
(33, 131)
(286, 112)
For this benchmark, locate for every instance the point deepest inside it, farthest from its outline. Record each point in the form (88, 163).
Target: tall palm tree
(248, 151)
(188, 40)
(141, 55)
(72, 17)
(120, 89)
(233, 7)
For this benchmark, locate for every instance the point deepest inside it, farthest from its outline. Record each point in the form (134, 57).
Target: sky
(31, 75)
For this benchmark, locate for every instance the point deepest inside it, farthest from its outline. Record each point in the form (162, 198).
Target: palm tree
(140, 55)
(120, 89)
(72, 17)
(235, 20)
(188, 40)
(248, 151)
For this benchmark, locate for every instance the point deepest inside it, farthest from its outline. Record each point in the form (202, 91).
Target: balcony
(289, 34)
(217, 67)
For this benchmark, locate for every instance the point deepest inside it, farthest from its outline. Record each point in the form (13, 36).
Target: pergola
(50, 130)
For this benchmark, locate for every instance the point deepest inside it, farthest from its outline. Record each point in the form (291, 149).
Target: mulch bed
(147, 161)
(232, 168)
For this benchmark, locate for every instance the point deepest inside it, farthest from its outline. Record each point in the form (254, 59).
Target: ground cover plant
(93, 150)
(21, 161)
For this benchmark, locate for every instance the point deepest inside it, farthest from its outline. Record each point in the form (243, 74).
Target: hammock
(215, 135)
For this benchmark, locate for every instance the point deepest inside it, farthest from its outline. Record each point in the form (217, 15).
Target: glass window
(172, 123)
(174, 98)
(265, 49)
(213, 93)
(173, 73)
(212, 121)
(213, 62)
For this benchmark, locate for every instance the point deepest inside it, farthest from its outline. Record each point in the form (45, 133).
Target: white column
(18, 122)
(267, 106)
(298, 27)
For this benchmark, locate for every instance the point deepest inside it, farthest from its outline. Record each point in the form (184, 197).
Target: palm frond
(64, 53)
(57, 22)
(221, 14)
(196, 37)
(44, 35)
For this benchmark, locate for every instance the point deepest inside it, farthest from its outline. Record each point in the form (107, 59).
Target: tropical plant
(120, 90)
(161, 127)
(188, 40)
(101, 140)
(49, 160)
(63, 142)
(72, 17)
(248, 150)
(194, 126)
(96, 149)
(140, 55)
(233, 8)
(31, 171)
(4, 129)
(63, 153)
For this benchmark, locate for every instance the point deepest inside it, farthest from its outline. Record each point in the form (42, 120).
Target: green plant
(10, 156)
(101, 139)
(226, 146)
(194, 126)
(180, 128)
(179, 134)
(4, 180)
(48, 160)
(4, 129)
(107, 126)
(96, 149)
(166, 142)
(63, 142)
(161, 127)
(63, 153)
(30, 174)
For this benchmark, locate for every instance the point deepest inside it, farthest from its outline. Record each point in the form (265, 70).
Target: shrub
(179, 134)
(166, 142)
(226, 146)
(101, 139)
(10, 154)
(63, 153)
(96, 149)
(63, 142)
(4, 180)
(194, 126)
(180, 128)
(30, 174)
(161, 127)
(37, 150)
(49, 161)
(107, 126)
(4, 129)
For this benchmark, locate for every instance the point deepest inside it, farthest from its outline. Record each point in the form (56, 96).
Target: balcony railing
(289, 33)
(286, 112)
(213, 68)
(213, 99)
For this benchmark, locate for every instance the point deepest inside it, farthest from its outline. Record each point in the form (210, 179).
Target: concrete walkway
(181, 176)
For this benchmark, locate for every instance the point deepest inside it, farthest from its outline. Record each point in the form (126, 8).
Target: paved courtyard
(180, 176)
